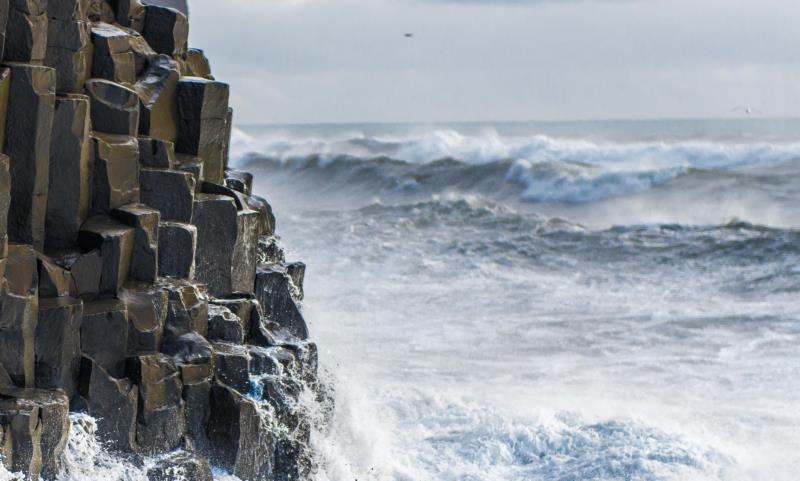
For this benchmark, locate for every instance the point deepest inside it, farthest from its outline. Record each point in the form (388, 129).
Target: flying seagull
(747, 110)
(409, 35)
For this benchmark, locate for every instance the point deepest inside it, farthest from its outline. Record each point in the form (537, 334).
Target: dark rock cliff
(140, 280)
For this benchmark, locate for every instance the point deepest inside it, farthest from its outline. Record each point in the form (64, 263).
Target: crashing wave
(534, 169)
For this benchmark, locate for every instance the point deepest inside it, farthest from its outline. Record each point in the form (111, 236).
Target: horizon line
(518, 121)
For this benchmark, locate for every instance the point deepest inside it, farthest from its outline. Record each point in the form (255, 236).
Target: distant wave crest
(535, 169)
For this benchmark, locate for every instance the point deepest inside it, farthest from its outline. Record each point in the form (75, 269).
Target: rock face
(140, 279)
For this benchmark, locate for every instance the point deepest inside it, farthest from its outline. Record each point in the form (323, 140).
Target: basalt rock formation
(140, 280)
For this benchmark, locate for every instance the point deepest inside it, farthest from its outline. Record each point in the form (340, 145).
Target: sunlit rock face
(130, 253)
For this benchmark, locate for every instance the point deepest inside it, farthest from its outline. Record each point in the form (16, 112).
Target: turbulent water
(574, 301)
(539, 302)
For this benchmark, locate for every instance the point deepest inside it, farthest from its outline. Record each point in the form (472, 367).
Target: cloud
(328, 60)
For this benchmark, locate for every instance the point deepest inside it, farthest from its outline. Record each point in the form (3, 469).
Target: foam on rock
(140, 280)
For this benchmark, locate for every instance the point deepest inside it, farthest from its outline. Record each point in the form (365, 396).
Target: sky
(320, 61)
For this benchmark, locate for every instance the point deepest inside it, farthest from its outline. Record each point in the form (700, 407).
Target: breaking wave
(537, 169)
(511, 307)
(86, 459)
(466, 440)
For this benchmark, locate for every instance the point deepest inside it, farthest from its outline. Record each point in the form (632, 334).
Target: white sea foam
(470, 339)
(548, 169)
(6, 475)
(86, 459)
(476, 339)
(489, 146)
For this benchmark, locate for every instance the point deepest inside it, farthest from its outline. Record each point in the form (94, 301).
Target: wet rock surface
(141, 281)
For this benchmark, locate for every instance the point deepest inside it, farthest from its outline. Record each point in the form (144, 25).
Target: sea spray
(5, 475)
(87, 459)
(489, 147)
(289, 401)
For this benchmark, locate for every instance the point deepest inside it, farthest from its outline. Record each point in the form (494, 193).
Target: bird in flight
(409, 35)
(747, 110)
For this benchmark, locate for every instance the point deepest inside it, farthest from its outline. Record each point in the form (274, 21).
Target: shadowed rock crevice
(140, 279)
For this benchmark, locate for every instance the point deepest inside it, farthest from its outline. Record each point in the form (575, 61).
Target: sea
(565, 301)
(540, 301)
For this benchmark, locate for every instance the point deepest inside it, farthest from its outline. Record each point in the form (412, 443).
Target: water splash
(6, 475)
(86, 459)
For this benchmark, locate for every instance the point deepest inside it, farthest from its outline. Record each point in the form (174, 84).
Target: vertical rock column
(29, 124)
(202, 130)
(69, 47)
(69, 171)
(125, 224)
(26, 32)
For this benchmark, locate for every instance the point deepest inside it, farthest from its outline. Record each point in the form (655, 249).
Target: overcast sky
(347, 60)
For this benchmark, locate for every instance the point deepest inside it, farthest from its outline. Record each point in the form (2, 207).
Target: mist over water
(585, 301)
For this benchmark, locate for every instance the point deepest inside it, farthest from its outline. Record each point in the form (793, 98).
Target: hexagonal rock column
(170, 191)
(58, 344)
(147, 314)
(19, 305)
(85, 269)
(197, 64)
(156, 88)
(144, 259)
(245, 255)
(69, 171)
(246, 309)
(20, 435)
(274, 292)
(216, 219)
(177, 244)
(232, 366)
(196, 399)
(69, 48)
(129, 13)
(28, 127)
(226, 245)
(104, 335)
(113, 402)
(195, 359)
(239, 181)
(115, 172)
(239, 443)
(160, 422)
(115, 108)
(54, 280)
(26, 32)
(51, 433)
(112, 58)
(224, 325)
(166, 30)
(188, 308)
(202, 117)
(156, 153)
(115, 242)
(266, 219)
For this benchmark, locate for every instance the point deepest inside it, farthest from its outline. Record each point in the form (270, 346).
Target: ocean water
(547, 301)
(586, 301)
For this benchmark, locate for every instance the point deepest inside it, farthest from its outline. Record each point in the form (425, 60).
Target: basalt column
(140, 279)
